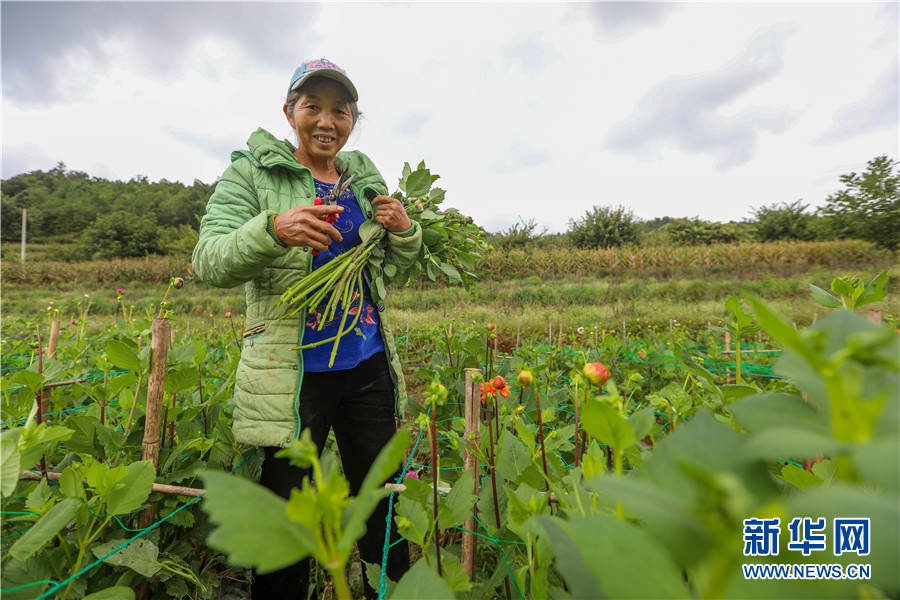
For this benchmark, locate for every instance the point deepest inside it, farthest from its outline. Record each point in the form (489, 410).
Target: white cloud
(508, 102)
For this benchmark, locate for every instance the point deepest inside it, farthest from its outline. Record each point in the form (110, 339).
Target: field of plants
(662, 450)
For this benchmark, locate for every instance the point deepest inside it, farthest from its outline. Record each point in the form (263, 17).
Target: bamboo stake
(54, 338)
(177, 490)
(155, 391)
(518, 334)
(470, 461)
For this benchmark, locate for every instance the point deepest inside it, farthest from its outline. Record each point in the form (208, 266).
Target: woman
(263, 228)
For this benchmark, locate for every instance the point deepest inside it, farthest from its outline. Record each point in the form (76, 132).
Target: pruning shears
(331, 199)
(339, 188)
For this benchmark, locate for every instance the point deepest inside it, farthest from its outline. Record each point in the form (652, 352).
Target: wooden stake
(470, 461)
(159, 345)
(54, 338)
(177, 490)
(174, 490)
(518, 334)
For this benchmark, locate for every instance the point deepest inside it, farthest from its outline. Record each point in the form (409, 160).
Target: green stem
(331, 339)
(337, 338)
(340, 584)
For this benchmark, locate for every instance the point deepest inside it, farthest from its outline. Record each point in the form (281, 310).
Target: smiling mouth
(324, 139)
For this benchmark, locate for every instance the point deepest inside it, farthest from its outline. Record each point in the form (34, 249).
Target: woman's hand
(391, 215)
(306, 226)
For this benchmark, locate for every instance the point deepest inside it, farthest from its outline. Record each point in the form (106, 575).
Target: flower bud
(525, 378)
(177, 283)
(596, 373)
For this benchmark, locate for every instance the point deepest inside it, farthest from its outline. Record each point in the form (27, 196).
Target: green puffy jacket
(236, 247)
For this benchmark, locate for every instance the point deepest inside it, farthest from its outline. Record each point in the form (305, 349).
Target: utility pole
(24, 231)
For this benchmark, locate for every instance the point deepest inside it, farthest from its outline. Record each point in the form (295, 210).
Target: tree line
(98, 218)
(867, 208)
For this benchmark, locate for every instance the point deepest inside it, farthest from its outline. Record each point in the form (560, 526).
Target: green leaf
(878, 462)
(592, 569)
(9, 466)
(119, 592)
(874, 291)
(780, 442)
(455, 576)
(457, 505)
(525, 433)
(730, 391)
(45, 529)
(642, 422)
(421, 582)
(133, 489)
(800, 478)
(824, 298)
(843, 286)
(32, 380)
(419, 182)
(82, 440)
(117, 384)
(182, 379)
(604, 423)
(70, 483)
(758, 413)
(782, 331)
(252, 523)
(513, 459)
(431, 237)
(141, 555)
(666, 512)
(451, 272)
(122, 356)
(413, 521)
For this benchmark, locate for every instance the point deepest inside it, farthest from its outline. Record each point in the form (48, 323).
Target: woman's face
(322, 120)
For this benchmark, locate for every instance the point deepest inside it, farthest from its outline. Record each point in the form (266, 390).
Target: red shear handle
(309, 226)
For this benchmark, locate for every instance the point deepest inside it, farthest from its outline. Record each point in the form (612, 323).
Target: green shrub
(784, 222)
(696, 231)
(605, 227)
(869, 207)
(178, 241)
(122, 234)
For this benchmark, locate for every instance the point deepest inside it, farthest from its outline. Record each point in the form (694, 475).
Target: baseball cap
(322, 67)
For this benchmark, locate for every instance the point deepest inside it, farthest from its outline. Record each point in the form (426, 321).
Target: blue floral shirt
(365, 339)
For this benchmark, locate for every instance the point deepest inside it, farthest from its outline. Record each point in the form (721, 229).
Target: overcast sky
(526, 110)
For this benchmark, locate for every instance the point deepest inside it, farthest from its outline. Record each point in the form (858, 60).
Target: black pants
(358, 404)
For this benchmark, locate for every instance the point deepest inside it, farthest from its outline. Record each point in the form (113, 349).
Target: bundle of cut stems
(338, 280)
